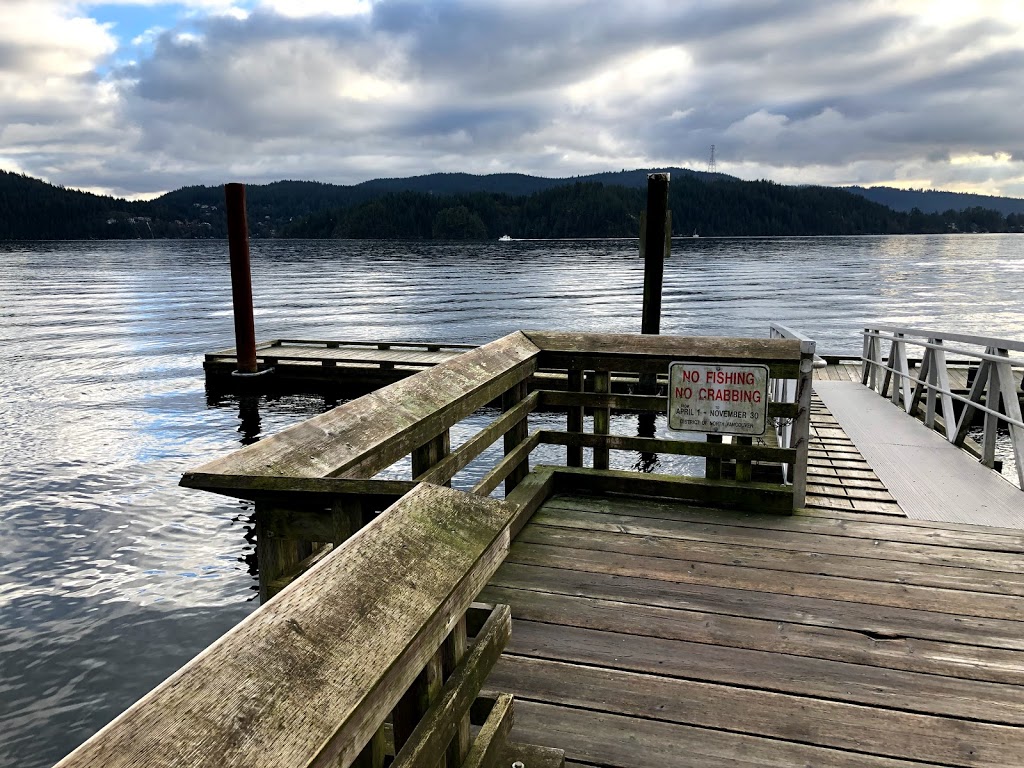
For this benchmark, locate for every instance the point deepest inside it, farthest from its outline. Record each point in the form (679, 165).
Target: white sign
(721, 399)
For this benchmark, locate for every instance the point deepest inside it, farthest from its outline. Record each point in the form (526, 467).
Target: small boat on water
(695, 234)
(505, 239)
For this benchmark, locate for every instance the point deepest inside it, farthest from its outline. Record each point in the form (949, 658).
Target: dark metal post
(654, 256)
(241, 279)
(654, 272)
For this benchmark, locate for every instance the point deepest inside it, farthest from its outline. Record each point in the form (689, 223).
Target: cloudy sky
(141, 96)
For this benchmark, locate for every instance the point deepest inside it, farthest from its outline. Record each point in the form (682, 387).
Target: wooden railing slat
(619, 402)
(506, 466)
(515, 435)
(427, 745)
(480, 442)
(739, 451)
(493, 734)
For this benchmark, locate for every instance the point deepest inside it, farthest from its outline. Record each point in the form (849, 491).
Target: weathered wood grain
(605, 739)
(880, 626)
(838, 725)
(662, 349)
(602, 416)
(428, 743)
(481, 441)
(308, 678)
(818, 535)
(763, 497)
(875, 642)
(507, 466)
(775, 559)
(492, 735)
(897, 595)
(516, 434)
(372, 432)
(980, 538)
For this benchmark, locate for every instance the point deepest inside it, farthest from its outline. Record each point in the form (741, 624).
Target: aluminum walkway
(929, 478)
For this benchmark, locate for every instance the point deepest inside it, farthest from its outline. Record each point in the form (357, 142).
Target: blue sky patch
(130, 21)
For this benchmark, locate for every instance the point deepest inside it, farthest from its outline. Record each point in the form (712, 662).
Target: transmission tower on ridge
(712, 167)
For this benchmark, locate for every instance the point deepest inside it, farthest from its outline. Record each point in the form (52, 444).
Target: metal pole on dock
(654, 253)
(654, 272)
(241, 278)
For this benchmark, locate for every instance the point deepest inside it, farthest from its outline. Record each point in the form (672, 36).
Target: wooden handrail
(372, 432)
(314, 485)
(308, 679)
(637, 353)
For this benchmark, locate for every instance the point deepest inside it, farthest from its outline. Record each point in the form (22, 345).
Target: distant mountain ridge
(521, 183)
(937, 201)
(713, 204)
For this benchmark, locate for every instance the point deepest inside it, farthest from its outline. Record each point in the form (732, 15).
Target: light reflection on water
(111, 576)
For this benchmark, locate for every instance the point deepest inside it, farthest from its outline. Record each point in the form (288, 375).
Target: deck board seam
(741, 687)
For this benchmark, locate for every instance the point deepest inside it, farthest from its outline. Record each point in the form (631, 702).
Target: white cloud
(295, 9)
(862, 91)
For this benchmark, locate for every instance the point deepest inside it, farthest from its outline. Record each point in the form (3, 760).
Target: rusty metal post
(241, 278)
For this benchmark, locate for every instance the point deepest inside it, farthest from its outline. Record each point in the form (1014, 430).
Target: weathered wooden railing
(317, 482)
(364, 657)
(925, 391)
(314, 483)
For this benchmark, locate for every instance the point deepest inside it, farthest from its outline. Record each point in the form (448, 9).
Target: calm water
(111, 576)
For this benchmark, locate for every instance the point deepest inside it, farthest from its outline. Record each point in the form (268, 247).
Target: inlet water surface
(111, 576)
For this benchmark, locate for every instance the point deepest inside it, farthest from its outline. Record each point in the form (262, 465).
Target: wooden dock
(648, 632)
(792, 616)
(356, 366)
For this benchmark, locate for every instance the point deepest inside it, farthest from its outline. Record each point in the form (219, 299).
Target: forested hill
(463, 206)
(718, 208)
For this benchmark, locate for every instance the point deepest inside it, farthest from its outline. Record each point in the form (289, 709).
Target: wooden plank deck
(839, 478)
(849, 370)
(928, 477)
(650, 633)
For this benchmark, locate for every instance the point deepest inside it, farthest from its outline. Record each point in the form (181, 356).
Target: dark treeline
(716, 208)
(710, 205)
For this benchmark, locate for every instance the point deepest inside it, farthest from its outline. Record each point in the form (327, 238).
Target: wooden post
(574, 419)
(744, 469)
(602, 418)
(427, 455)
(276, 556)
(452, 651)
(241, 278)
(713, 467)
(802, 424)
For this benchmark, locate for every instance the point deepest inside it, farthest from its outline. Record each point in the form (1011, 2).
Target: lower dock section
(652, 633)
